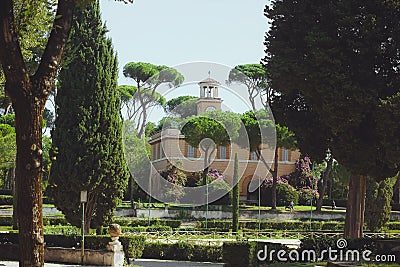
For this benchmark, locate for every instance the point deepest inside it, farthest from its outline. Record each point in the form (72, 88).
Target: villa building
(169, 145)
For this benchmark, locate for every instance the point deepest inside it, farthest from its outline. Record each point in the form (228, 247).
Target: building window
(285, 155)
(253, 155)
(222, 152)
(190, 151)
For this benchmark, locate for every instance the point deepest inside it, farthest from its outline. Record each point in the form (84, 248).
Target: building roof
(209, 80)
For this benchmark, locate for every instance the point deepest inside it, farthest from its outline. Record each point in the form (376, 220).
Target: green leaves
(333, 62)
(88, 132)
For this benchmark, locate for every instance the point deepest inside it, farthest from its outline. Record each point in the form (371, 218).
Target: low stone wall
(92, 257)
(219, 214)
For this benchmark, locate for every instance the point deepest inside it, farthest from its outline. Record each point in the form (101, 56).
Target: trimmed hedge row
(7, 221)
(244, 253)
(138, 229)
(145, 222)
(182, 251)
(133, 245)
(8, 200)
(285, 225)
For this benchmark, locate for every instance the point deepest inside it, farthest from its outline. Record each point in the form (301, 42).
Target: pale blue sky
(172, 32)
(175, 32)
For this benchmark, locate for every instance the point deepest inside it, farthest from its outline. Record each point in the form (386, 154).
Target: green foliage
(137, 159)
(273, 225)
(182, 106)
(177, 178)
(285, 194)
(144, 222)
(306, 195)
(344, 66)
(5, 220)
(33, 22)
(8, 119)
(241, 253)
(87, 138)
(8, 147)
(221, 127)
(254, 77)
(377, 203)
(140, 98)
(235, 196)
(182, 251)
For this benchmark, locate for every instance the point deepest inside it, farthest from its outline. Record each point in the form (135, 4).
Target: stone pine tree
(235, 196)
(87, 136)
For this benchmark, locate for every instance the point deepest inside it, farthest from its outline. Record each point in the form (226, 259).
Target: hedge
(133, 245)
(285, 225)
(239, 253)
(6, 221)
(145, 222)
(6, 200)
(182, 251)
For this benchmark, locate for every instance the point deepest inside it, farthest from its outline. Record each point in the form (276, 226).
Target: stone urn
(115, 231)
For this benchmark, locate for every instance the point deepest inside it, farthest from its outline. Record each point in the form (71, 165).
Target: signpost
(83, 201)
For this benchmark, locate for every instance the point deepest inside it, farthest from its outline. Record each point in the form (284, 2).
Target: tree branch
(52, 54)
(11, 58)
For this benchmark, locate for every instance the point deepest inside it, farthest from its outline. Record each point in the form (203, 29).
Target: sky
(176, 32)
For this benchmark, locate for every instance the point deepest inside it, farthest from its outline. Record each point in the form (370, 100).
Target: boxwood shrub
(182, 251)
(133, 245)
(5, 221)
(6, 200)
(145, 222)
(239, 253)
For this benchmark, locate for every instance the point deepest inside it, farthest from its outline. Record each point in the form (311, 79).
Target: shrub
(6, 200)
(6, 221)
(159, 228)
(65, 241)
(306, 194)
(61, 230)
(377, 204)
(133, 245)
(145, 222)
(240, 253)
(55, 221)
(182, 251)
(285, 194)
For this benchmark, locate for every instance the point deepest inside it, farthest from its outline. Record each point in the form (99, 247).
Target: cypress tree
(235, 197)
(377, 203)
(87, 139)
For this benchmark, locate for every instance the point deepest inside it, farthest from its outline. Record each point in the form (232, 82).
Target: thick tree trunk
(28, 95)
(275, 179)
(355, 207)
(29, 174)
(325, 179)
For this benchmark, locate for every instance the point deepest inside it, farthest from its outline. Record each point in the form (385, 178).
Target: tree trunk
(15, 202)
(325, 179)
(29, 174)
(355, 207)
(28, 95)
(274, 179)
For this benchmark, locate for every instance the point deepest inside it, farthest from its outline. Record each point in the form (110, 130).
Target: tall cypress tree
(87, 137)
(236, 196)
